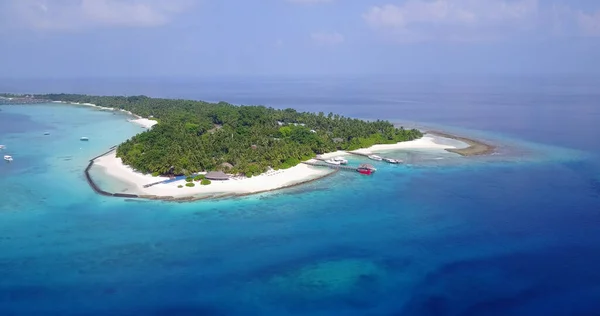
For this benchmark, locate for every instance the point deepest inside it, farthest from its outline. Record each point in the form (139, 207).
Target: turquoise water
(511, 234)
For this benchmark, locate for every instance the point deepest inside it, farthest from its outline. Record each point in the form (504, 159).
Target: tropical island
(188, 139)
(195, 136)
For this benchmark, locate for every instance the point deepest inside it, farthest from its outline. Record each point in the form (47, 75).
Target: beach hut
(217, 175)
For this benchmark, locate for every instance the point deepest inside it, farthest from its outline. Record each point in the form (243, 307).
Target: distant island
(255, 148)
(195, 136)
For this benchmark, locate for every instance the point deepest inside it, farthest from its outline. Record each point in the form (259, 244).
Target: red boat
(364, 171)
(366, 168)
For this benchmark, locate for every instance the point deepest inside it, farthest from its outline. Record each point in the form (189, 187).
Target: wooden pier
(368, 154)
(331, 166)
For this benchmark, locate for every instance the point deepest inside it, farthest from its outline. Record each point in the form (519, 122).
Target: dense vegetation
(195, 136)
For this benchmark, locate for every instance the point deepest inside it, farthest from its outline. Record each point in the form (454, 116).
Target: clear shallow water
(510, 235)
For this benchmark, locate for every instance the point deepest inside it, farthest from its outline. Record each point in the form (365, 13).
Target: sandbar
(425, 142)
(475, 147)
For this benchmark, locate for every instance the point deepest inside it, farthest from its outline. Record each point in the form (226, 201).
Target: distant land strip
(476, 148)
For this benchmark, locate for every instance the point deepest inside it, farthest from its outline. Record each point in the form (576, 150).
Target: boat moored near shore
(375, 157)
(333, 162)
(366, 168)
(341, 160)
(392, 160)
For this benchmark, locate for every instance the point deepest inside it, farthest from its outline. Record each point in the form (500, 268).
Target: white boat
(391, 160)
(375, 157)
(341, 160)
(2, 146)
(332, 162)
(84, 139)
(8, 158)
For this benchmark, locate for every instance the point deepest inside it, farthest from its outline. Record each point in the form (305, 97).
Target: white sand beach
(426, 142)
(338, 153)
(268, 181)
(87, 104)
(271, 180)
(144, 122)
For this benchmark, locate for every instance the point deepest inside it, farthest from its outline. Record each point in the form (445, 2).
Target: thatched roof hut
(217, 175)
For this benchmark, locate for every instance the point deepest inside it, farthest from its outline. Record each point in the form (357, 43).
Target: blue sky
(74, 38)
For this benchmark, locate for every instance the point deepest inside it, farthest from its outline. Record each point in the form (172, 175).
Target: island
(196, 136)
(193, 148)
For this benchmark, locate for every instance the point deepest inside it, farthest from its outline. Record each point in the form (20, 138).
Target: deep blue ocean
(517, 233)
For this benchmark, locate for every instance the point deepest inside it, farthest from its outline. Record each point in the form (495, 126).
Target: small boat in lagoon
(341, 160)
(366, 169)
(8, 158)
(392, 161)
(332, 162)
(46, 133)
(2, 147)
(375, 157)
(85, 139)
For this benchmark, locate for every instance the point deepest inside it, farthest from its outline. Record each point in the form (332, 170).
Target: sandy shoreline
(475, 147)
(426, 142)
(271, 180)
(144, 122)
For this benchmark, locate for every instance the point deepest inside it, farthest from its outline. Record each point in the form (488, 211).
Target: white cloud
(418, 20)
(84, 14)
(328, 38)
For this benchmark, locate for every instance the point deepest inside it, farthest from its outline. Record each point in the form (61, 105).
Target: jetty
(328, 165)
(385, 159)
(95, 187)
